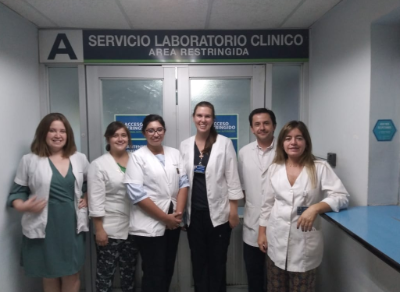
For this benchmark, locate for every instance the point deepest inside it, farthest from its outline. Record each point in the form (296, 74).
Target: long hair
(306, 159)
(212, 137)
(39, 145)
(112, 128)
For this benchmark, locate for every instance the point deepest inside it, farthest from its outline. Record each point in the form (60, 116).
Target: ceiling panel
(254, 14)
(309, 12)
(171, 14)
(166, 14)
(29, 13)
(82, 13)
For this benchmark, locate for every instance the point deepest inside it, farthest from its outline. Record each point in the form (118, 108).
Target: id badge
(300, 210)
(200, 169)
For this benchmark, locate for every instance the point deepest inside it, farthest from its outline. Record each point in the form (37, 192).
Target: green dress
(62, 251)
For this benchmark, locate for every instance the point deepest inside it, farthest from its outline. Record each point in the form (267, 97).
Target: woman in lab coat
(296, 190)
(48, 188)
(210, 161)
(157, 186)
(109, 209)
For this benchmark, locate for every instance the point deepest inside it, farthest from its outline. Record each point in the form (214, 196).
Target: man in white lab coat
(254, 160)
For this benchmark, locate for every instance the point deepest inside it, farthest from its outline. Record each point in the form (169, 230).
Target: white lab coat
(222, 178)
(303, 250)
(160, 183)
(250, 172)
(35, 172)
(107, 196)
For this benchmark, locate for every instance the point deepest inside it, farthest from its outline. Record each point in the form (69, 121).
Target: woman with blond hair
(48, 188)
(297, 189)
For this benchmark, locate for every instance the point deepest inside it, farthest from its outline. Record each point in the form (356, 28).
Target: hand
(101, 237)
(173, 221)
(82, 202)
(178, 215)
(262, 242)
(306, 220)
(33, 205)
(233, 220)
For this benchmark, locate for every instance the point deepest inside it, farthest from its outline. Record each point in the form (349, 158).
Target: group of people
(139, 203)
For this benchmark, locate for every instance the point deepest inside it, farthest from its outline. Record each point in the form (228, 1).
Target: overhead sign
(227, 125)
(384, 130)
(179, 46)
(62, 46)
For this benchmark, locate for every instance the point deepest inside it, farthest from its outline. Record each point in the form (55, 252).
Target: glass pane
(64, 97)
(285, 94)
(229, 97)
(130, 97)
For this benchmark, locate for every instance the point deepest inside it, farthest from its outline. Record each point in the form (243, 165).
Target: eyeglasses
(159, 131)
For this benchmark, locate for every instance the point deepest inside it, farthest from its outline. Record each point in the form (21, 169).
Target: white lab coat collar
(157, 162)
(111, 162)
(255, 148)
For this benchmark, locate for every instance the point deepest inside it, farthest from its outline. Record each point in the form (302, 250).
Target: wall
(384, 157)
(19, 115)
(285, 94)
(340, 85)
(64, 97)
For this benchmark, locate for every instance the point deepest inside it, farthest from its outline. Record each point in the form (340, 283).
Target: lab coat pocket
(82, 220)
(175, 175)
(31, 221)
(223, 208)
(251, 217)
(271, 234)
(314, 245)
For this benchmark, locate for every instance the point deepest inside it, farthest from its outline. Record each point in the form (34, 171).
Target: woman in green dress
(48, 189)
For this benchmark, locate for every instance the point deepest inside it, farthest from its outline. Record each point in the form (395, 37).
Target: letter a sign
(61, 46)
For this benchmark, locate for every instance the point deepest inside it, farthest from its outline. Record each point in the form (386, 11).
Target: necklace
(201, 157)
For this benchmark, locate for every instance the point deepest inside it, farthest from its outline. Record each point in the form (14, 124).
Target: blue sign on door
(384, 130)
(227, 125)
(136, 145)
(134, 124)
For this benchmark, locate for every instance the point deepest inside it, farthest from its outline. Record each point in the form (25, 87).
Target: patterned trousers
(283, 281)
(118, 252)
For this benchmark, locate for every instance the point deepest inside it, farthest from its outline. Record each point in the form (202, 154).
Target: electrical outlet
(331, 159)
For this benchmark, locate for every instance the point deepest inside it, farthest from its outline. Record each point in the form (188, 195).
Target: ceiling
(171, 14)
